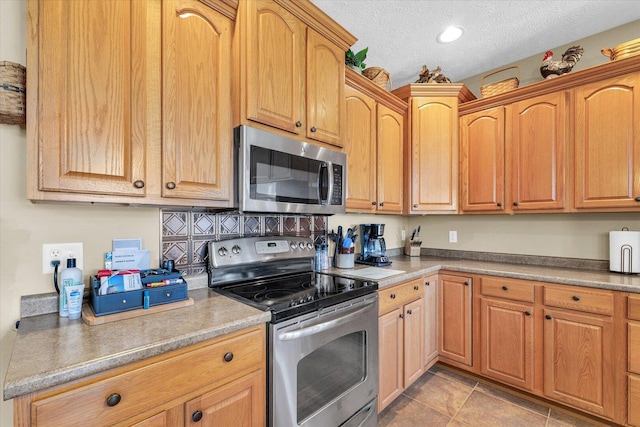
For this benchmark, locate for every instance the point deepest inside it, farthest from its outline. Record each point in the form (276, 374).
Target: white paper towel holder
(624, 263)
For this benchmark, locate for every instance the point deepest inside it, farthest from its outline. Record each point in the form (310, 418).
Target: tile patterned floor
(444, 398)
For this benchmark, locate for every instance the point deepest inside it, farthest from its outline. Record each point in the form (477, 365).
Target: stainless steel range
(323, 334)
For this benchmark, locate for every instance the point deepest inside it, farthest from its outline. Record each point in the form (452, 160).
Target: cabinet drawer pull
(527, 313)
(515, 203)
(228, 357)
(298, 124)
(171, 185)
(505, 288)
(113, 399)
(416, 288)
(313, 129)
(393, 296)
(138, 184)
(548, 317)
(196, 416)
(408, 311)
(576, 298)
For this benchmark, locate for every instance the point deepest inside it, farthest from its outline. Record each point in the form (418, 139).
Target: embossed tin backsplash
(185, 233)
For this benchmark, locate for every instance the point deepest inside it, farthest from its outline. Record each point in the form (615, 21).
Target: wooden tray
(91, 319)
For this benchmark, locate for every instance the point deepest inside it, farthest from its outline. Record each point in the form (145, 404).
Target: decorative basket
(12, 93)
(379, 76)
(499, 87)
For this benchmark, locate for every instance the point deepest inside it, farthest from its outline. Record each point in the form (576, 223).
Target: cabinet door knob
(466, 283)
(505, 288)
(374, 203)
(401, 316)
(138, 184)
(408, 311)
(381, 203)
(171, 185)
(638, 199)
(548, 317)
(228, 357)
(515, 203)
(416, 206)
(416, 288)
(313, 129)
(427, 283)
(113, 399)
(298, 124)
(196, 416)
(393, 296)
(527, 313)
(576, 298)
(499, 204)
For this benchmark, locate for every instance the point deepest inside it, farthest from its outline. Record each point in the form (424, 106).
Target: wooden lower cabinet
(454, 318)
(173, 389)
(430, 320)
(400, 339)
(633, 399)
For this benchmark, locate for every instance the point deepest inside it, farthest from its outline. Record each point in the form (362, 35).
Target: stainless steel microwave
(274, 173)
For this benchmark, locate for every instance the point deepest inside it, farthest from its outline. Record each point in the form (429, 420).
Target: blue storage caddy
(103, 305)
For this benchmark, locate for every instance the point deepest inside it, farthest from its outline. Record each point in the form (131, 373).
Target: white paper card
(130, 259)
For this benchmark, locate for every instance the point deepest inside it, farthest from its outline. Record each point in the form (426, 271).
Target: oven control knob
(235, 249)
(222, 251)
(293, 245)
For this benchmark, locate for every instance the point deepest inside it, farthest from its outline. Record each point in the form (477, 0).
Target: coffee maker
(372, 246)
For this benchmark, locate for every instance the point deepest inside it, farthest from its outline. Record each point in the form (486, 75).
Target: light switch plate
(453, 237)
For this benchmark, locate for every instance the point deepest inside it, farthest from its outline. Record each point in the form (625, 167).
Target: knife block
(412, 247)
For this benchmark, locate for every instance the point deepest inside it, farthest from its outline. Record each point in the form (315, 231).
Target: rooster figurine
(570, 58)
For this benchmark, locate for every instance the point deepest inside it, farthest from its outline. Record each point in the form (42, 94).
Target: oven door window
(281, 177)
(330, 371)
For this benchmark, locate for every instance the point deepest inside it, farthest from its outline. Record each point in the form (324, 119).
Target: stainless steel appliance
(278, 174)
(372, 246)
(323, 334)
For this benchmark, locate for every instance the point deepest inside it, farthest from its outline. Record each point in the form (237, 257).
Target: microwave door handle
(325, 180)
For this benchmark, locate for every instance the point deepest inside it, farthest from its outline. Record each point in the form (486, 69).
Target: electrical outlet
(453, 237)
(60, 252)
(403, 235)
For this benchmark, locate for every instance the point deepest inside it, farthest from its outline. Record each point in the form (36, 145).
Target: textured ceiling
(401, 34)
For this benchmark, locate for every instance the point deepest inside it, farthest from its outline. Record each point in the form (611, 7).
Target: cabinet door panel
(276, 66)
(633, 399)
(360, 148)
(197, 134)
(390, 141)
(390, 356)
(414, 341)
(238, 404)
(454, 318)
(607, 138)
(93, 96)
(537, 151)
(434, 156)
(577, 362)
(325, 89)
(507, 342)
(482, 160)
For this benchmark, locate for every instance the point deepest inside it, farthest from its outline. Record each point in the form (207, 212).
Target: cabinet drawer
(634, 398)
(398, 295)
(634, 347)
(579, 298)
(508, 288)
(634, 307)
(151, 386)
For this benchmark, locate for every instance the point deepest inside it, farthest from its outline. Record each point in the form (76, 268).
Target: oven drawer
(399, 295)
(579, 298)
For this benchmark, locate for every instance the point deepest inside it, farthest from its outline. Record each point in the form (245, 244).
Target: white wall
(24, 226)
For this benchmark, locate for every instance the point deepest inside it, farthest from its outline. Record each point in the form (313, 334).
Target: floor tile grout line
(519, 406)
(464, 403)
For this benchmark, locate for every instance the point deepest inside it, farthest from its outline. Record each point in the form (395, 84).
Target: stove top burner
(291, 295)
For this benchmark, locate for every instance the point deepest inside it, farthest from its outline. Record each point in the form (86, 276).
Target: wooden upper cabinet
(536, 152)
(360, 147)
(390, 158)
(290, 60)
(274, 70)
(325, 89)
(432, 146)
(607, 144)
(89, 126)
(482, 160)
(197, 134)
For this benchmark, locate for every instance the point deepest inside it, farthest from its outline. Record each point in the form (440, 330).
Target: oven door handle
(316, 328)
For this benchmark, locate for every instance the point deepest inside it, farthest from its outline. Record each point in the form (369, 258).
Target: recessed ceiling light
(450, 34)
